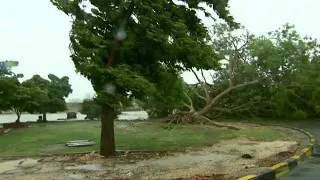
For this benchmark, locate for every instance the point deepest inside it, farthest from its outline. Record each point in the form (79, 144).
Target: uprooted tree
(162, 37)
(238, 62)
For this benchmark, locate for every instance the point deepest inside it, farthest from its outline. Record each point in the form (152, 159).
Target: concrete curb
(280, 169)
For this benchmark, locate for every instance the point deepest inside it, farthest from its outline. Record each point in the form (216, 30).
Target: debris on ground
(246, 156)
(80, 143)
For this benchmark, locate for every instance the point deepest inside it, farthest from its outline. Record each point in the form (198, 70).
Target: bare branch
(197, 93)
(239, 50)
(223, 93)
(246, 40)
(218, 124)
(203, 76)
(188, 106)
(238, 53)
(195, 74)
(191, 107)
(203, 85)
(230, 73)
(222, 109)
(238, 108)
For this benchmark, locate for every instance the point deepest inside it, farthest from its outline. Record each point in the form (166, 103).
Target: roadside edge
(282, 168)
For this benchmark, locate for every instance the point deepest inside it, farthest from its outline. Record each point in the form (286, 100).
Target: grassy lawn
(47, 138)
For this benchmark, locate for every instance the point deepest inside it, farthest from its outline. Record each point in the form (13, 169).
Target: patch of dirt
(272, 160)
(256, 149)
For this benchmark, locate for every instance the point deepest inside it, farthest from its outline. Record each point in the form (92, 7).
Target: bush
(90, 108)
(299, 114)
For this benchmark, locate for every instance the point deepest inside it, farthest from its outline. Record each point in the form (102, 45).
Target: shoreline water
(126, 115)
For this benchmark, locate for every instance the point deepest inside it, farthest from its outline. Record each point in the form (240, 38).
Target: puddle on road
(14, 165)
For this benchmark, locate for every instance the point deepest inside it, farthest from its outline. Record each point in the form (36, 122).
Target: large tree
(51, 94)
(162, 37)
(10, 90)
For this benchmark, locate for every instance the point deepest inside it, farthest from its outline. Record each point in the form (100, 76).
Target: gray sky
(36, 34)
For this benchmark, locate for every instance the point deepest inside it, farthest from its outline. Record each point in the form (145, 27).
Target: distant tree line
(34, 95)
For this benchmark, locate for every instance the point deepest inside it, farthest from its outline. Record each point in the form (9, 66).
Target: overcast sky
(36, 34)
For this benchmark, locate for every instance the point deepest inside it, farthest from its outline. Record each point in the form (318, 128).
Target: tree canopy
(49, 94)
(11, 93)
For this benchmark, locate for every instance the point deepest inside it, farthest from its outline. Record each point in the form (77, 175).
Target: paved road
(309, 169)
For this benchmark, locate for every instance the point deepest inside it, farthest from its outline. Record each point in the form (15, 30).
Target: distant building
(74, 106)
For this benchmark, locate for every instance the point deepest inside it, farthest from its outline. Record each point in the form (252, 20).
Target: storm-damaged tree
(162, 37)
(239, 71)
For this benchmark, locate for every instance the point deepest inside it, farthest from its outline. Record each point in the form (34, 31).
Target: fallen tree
(235, 51)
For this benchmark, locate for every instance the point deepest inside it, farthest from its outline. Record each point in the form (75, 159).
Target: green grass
(129, 136)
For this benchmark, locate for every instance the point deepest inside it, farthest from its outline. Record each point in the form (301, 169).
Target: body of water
(128, 115)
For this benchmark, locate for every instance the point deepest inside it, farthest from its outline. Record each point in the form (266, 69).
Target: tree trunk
(44, 116)
(107, 141)
(18, 113)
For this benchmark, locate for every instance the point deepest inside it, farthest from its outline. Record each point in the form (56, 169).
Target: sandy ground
(222, 158)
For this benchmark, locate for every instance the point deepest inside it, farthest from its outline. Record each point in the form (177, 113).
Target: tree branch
(215, 99)
(197, 93)
(217, 124)
(230, 71)
(195, 74)
(191, 107)
(231, 109)
(239, 51)
(222, 109)
(203, 85)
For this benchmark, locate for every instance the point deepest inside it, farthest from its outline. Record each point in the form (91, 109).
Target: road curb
(280, 169)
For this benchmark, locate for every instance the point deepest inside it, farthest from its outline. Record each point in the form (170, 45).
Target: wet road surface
(310, 168)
